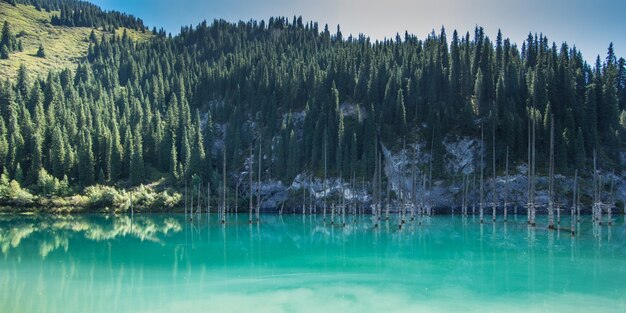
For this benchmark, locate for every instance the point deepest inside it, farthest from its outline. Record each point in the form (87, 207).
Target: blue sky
(589, 24)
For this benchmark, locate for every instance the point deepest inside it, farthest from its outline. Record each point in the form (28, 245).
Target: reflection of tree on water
(11, 237)
(58, 229)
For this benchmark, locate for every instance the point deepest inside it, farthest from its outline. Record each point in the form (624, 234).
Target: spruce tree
(129, 146)
(340, 144)
(41, 53)
(86, 174)
(591, 118)
(4, 146)
(478, 100)
(8, 39)
(136, 159)
(173, 169)
(23, 83)
(185, 155)
(36, 163)
(116, 154)
(59, 155)
(400, 113)
(16, 140)
(197, 150)
(4, 52)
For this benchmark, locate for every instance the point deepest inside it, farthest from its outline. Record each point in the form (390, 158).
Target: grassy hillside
(64, 46)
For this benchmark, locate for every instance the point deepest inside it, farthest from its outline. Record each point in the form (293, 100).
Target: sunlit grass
(64, 46)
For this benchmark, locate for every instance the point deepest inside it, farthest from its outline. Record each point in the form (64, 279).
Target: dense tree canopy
(135, 111)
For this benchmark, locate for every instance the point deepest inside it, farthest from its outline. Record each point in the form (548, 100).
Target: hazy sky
(589, 24)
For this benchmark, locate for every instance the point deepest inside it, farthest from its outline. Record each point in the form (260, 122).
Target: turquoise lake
(295, 263)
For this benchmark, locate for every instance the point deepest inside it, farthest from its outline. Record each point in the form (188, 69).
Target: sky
(590, 25)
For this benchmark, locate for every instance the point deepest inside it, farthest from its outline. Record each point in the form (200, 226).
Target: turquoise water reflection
(297, 264)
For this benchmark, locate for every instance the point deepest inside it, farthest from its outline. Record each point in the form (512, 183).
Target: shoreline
(438, 211)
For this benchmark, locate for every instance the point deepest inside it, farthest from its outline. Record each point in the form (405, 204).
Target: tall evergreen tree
(86, 174)
(41, 52)
(8, 40)
(136, 159)
(58, 158)
(36, 162)
(173, 169)
(4, 146)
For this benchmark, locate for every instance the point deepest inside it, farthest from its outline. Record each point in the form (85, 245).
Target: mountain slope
(196, 108)
(64, 46)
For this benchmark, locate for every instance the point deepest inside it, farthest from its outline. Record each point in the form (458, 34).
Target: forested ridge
(135, 112)
(77, 13)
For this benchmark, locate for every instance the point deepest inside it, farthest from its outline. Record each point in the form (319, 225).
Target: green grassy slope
(65, 46)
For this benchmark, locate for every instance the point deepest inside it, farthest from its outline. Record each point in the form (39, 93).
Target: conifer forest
(287, 98)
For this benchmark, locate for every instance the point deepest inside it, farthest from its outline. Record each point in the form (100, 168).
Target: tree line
(77, 13)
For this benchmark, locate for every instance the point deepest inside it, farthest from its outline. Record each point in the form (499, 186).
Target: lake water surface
(294, 263)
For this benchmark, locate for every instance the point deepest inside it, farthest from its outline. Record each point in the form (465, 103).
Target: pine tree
(115, 154)
(4, 52)
(608, 112)
(16, 140)
(129, 146)
(591, 119)
(86, 174)
(401, 113)
(455, 98)
(136, 159)
(4, 146)
(8, 39)
(23, 81)
(41, 53)
(92, 37)
(208, 145)
(173, 170)
(185, 155)
(197, 150)
(36, 163)
(59, 155)
(478, 100)
(340, 143)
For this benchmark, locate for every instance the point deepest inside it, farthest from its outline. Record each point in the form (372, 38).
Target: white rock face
(352, 110)
(461, 155)
(461, 158)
